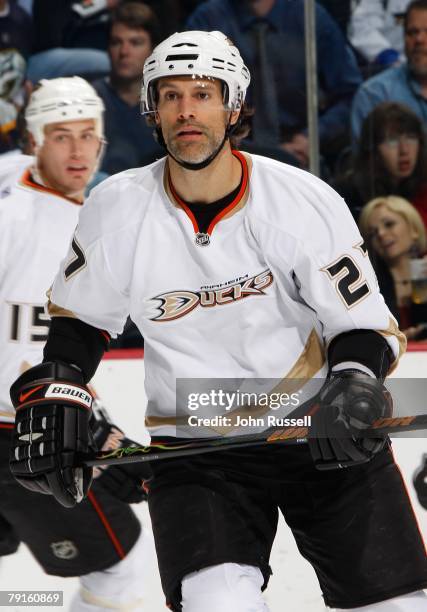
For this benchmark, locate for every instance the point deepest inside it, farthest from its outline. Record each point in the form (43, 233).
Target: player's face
(399, 154)
(416, 42)
(260, 8)
(68, 157)
(390, 234)
(128, 49)
(192, 117)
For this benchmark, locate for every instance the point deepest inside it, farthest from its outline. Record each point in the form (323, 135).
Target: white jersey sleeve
(331, 266)
(94, 278)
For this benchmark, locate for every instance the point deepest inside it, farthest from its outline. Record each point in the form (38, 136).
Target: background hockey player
(293, 295)
(40, 199)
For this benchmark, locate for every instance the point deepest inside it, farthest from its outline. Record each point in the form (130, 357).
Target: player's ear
(234, 117)
(30, 143)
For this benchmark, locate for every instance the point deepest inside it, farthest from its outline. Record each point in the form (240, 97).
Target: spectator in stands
(394, 231)
(15, 28)
(130, 143)
(174, 13)
(270, 35)
(406, 83)
(339, 10)
(15, 45)
(376, 31)
(391, 158)
(71, 38)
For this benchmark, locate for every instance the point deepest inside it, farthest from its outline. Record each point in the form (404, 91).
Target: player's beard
(195, 152)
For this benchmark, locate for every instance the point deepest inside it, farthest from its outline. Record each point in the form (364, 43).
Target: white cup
(418, 269)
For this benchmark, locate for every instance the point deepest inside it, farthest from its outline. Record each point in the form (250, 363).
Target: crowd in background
(372, 84)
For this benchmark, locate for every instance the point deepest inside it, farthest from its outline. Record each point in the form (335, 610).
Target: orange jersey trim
(27, 181)
(225, 210)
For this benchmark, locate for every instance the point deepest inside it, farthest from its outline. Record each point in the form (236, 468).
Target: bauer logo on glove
(53, 408)
(72, 393)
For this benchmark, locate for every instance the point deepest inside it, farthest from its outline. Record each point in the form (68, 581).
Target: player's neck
(210, 184)
(40, 179)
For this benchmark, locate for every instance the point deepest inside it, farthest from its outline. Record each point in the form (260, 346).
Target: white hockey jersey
(36, 225)
(283, 274)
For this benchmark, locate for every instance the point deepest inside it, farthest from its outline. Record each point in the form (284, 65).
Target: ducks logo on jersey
(177, 304)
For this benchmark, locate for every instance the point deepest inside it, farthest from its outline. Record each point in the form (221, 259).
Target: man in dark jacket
(270, 36)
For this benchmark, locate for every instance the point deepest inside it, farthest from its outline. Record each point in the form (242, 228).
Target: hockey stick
(289, 435)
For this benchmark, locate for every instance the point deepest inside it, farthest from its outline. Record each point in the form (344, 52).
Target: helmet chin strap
(196, 165)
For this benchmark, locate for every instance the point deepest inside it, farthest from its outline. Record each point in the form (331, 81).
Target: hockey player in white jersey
(40, 198)
(236, 267)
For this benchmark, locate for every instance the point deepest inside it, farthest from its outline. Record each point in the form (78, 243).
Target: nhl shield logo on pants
(64, 550)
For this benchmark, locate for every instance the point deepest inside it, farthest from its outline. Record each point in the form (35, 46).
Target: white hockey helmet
(200, 54)
(63, 99)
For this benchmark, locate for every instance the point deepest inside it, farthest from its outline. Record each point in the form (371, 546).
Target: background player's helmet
(63, 99)
(200, 54)
(12, 73)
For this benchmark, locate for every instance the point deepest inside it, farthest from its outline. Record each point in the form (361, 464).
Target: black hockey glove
(349, 402)
(126, 482)
(53, 408)
(420, 483)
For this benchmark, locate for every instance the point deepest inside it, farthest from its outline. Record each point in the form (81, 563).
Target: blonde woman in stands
(394, 233)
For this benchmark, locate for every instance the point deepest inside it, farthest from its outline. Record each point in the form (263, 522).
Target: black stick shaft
(290, 435)
(152, 455)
